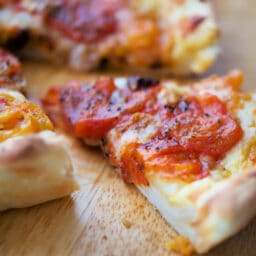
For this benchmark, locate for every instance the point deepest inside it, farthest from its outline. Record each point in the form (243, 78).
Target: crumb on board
(104, 237)
(128, 224)
(181, 245)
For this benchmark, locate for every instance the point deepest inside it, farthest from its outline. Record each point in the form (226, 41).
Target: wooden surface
(107, 217)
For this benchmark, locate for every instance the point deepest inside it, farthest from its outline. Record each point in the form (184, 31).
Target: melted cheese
(19, 117)
(177, 200)
(237, 159)
(183, 204)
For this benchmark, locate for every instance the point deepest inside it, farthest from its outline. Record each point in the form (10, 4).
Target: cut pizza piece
(176, 36)
(34, 165)
(189, 149)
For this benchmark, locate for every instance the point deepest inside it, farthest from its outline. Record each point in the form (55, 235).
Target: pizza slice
(190, 150)
(176, 36)
(34, 165)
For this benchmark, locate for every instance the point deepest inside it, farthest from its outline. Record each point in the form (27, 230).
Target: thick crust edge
(34, 169)
(216, 214)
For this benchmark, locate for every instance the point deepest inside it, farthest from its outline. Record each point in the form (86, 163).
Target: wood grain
(107, 217)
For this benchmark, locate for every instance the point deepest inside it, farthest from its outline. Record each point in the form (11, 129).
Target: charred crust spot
(170, 108)
(137, 83)
(19, 41)
(103, 63)
(103, 141)
(195, 21)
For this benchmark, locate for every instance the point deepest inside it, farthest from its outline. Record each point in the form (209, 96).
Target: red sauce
(86, 21)
(195, 132)
(132, 170)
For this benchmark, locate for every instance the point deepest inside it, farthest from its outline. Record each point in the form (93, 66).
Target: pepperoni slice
(203, 125)
(196, 132)
(192, 135)
(91, 111)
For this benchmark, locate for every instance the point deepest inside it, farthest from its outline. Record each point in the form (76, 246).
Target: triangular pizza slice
(190, 149)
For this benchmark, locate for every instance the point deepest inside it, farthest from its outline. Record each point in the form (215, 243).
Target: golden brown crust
(34, 169)
(219, 211)
(232, 204)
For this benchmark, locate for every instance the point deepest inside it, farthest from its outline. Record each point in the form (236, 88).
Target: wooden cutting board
(107, 217)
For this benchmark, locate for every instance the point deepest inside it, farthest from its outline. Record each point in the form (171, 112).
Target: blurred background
(237, 19)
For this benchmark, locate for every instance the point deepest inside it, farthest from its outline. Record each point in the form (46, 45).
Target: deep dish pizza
(34, 165)
(189, 149)
(176, 36)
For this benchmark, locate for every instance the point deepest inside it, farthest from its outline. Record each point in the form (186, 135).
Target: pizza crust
(216, 213)
(34, 169)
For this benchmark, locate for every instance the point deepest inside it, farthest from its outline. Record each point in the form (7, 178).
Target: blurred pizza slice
(34, 165)
(178, 37)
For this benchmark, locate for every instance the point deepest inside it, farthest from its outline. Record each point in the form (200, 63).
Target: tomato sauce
(91, 111)
(195, 132)
(86, 21)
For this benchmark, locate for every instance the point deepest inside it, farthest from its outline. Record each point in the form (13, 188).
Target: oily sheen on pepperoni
(83, 21)
(196, 132)
(191, 136)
